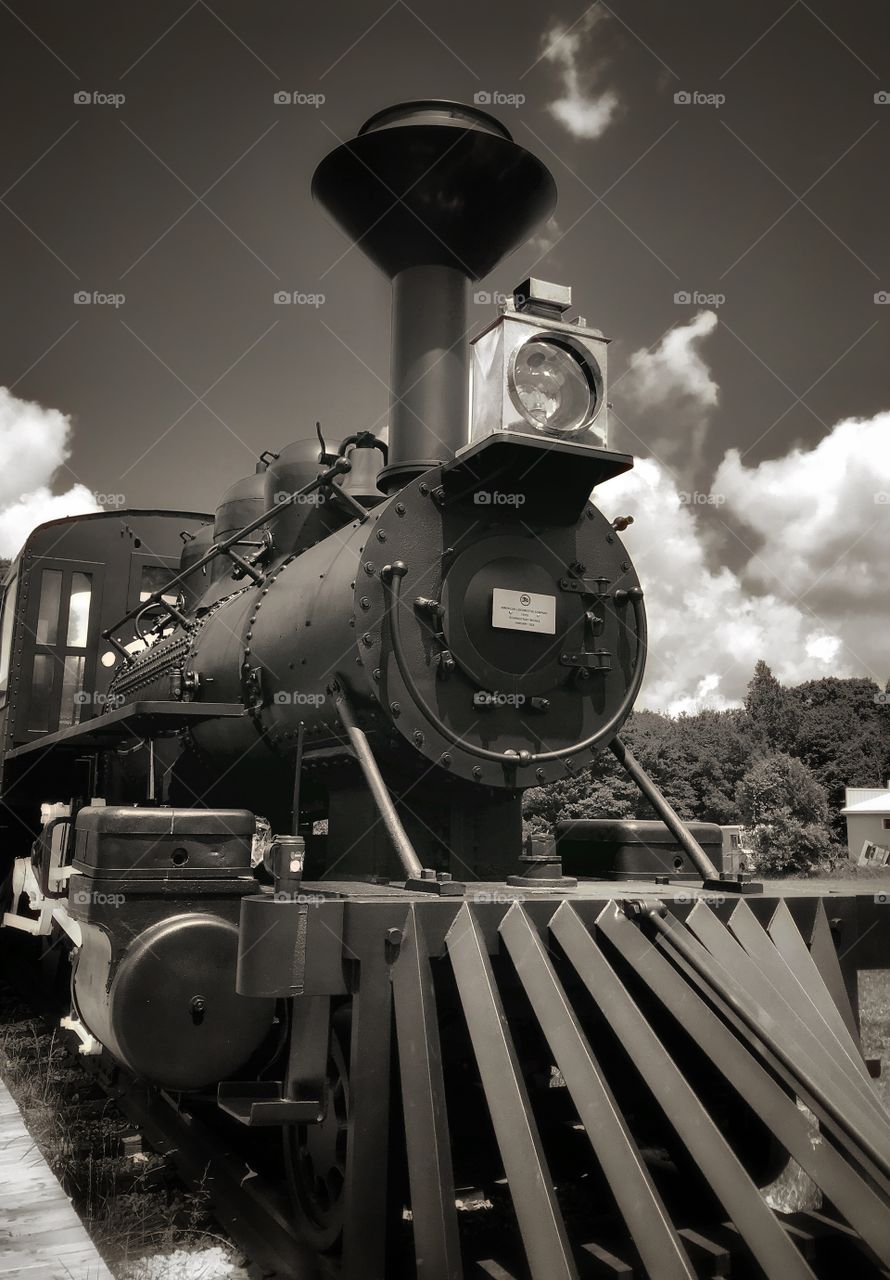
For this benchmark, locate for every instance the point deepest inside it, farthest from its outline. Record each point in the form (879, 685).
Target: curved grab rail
(224, 547)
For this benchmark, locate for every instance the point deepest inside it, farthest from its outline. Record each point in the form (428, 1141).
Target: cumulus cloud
(811, 596)
(34, 443)
(581, 109)
(820, 514)
(707, 627)
(819, 522)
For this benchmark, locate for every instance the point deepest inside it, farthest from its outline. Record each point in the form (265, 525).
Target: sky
(723, 185)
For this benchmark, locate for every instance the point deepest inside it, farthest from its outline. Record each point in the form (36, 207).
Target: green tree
(605, 791)
(835, 732)
(600, 791)
(785, 811)
(715, 755)
(771, 711)
(697, 761)
(843, 737)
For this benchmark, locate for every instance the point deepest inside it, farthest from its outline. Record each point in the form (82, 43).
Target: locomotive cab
(70, 581)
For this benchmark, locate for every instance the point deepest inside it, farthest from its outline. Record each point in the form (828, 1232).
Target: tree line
(778, 766)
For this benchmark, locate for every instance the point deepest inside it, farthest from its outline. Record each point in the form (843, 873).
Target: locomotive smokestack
(436, 194)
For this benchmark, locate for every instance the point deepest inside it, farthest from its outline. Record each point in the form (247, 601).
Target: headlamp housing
(536, 374)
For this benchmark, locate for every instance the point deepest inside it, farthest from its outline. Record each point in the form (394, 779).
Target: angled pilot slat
(633, 1188)
(794, 951)
(804, 1239)
(531, 1186)
(365, 1188)
(783, 1025)
(827, 961)
(746, 951)
(491, 1270)
(436, 1243)
(604, 1264)
(706, 975)
(713, 1259)
(800, 985)
(731, 1184)
(841, 1183)
(822, 1227)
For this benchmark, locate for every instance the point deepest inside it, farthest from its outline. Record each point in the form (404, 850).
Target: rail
(325, 479)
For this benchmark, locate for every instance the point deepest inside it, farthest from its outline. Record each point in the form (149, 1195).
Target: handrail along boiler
(371, 653)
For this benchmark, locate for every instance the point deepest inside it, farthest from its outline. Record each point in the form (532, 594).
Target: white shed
(867, 811)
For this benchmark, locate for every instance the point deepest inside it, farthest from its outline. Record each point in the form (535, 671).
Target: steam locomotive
(264, 770)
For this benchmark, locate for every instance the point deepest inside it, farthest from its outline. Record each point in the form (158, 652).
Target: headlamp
(555, 385)
(537, 374)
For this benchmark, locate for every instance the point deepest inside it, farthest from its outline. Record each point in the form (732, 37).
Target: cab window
(7, 624)
(154, 578)
(60, 639)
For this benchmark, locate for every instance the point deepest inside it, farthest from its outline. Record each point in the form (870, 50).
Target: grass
(132, 1205)
(846, 869)
(874, 1010)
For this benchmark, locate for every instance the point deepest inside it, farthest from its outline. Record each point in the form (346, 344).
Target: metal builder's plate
(523, 611)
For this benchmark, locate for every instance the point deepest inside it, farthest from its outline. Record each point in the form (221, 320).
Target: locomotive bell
(537, 374)
(435, 193)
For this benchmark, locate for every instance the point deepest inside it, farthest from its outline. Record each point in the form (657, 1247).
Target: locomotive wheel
(315, 1154)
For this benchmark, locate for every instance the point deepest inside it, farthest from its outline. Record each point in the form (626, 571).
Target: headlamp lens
(552, 387)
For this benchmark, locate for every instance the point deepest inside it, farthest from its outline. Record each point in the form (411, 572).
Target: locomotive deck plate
(141, 719)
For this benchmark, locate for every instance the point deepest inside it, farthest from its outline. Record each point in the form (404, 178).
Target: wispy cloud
(549, 235)
(673, 389)
(583, 108)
